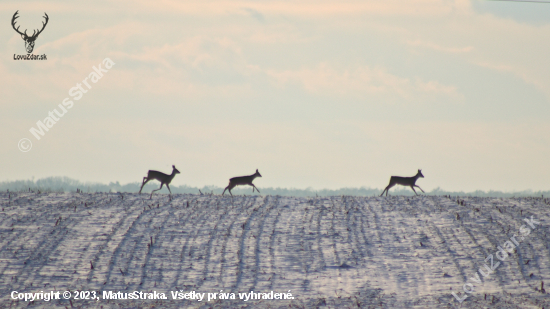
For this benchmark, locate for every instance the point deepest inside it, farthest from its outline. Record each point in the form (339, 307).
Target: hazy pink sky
(321, 94)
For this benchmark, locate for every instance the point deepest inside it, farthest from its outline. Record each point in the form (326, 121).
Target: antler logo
(29, 40)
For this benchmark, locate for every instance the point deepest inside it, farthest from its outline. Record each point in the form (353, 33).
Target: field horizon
(66, 184)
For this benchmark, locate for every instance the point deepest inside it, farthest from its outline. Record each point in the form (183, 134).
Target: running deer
(163, 178)
(404, 181)
(242, 180)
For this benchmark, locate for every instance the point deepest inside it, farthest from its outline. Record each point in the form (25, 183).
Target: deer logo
(29, 40)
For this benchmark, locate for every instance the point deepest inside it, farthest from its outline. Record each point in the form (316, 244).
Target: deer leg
(161, 184)
(414, 190)
(229, 187)
(254, 187)
(420, 188)
(170, 196)
(145, 180)
(387, 190)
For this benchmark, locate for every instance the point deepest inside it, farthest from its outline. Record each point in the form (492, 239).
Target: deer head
(29, 40)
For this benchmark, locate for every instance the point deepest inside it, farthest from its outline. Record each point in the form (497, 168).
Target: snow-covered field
(342, 251)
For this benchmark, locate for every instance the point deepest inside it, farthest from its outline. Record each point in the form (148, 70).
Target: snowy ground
(349, 252)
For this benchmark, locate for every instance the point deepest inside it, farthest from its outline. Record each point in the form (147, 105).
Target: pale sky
(319, 94)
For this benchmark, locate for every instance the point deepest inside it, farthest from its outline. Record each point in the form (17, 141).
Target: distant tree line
(66, 184)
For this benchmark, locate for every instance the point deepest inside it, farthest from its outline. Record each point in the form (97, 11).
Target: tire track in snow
(124, 234)
(353, 227)
(245, 243)
(230, 215)
(361, 239)
(476, 236)
(213, 270)
(197, 222)
(319, 258)
(262, 261)
(38, 247)
(181, 235)
(382, 268)
(37, 253)
(413, 273)
(510, 277)
(271, 258)
(110, 219)
(169, 241)
(206, 246)
(154, 261)
(286, 246)
(229, 252)
(128, 230)
(401, 247)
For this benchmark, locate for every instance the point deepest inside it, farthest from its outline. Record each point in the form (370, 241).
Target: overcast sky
(320, 94)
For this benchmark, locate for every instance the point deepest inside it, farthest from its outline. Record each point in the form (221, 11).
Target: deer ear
(256, 170)
(173, 166)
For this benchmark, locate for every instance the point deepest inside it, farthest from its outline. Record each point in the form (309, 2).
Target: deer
(404, 181)
(163, 178)
(242, 180)
(29, 40)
